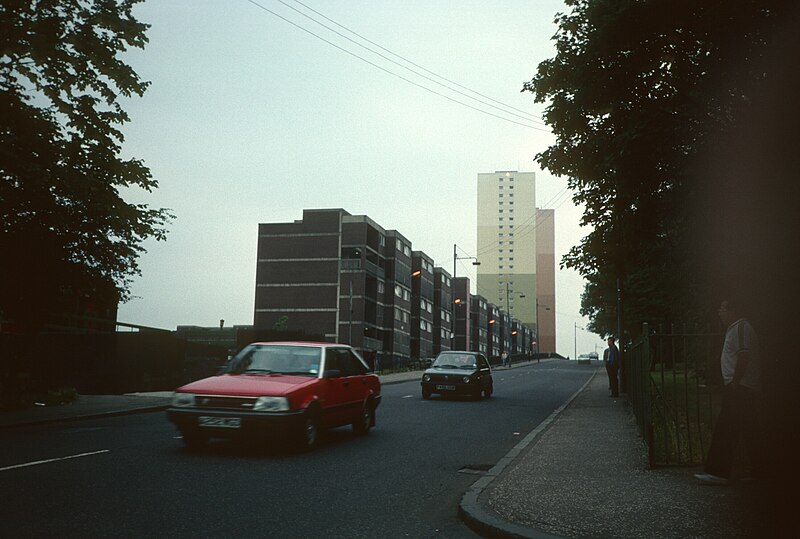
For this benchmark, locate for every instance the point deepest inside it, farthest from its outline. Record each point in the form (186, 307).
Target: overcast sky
(251, 119)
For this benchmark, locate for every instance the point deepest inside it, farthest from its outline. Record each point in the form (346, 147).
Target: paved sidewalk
(583, 473)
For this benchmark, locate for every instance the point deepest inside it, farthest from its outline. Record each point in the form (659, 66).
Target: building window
(398, 315)
(501, 187)
(398, 291)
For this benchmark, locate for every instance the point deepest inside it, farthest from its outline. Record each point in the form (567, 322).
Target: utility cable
(393, 73)
(533, 117)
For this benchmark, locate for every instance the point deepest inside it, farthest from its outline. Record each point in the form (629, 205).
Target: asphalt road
(130, 476)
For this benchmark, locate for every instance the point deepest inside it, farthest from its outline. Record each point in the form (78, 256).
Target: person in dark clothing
(612, 361)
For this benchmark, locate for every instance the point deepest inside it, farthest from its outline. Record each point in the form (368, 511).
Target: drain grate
(476, 469)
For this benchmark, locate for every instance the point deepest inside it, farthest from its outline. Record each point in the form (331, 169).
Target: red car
(283, 389)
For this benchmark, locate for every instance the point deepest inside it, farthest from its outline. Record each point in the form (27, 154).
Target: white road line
(408, 397)
(35, 463)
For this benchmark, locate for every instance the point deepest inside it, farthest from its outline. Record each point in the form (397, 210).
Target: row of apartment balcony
(347, 278)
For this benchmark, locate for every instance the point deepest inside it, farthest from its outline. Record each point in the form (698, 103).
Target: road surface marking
(35, 463)
(408, 397)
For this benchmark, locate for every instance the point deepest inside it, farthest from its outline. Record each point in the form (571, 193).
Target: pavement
(582, 472)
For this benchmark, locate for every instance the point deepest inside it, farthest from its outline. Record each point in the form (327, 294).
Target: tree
(638, 92)
(65, 230)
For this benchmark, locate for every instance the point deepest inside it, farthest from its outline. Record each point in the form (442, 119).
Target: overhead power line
(527, 226)
(405, 79)
(527, 115)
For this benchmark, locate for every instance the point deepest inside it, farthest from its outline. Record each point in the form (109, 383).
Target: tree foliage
(65, 229)
(637, 91)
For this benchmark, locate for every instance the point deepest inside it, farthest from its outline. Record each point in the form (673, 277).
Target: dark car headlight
(467, 379)
(426, 377)
(182, 400)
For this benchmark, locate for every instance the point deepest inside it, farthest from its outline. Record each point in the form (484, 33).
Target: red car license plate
(446, 388)
(221, 422)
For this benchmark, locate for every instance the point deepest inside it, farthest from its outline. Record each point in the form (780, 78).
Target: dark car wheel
(309, 433)
(426, 393)
(365, 420)
(194, 440)
(488, 391)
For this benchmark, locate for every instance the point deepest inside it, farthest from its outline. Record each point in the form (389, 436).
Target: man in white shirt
(740, 415)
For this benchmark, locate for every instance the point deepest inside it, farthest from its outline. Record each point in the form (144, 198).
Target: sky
(251, 117)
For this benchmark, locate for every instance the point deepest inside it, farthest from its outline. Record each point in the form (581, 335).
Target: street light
(456, 258)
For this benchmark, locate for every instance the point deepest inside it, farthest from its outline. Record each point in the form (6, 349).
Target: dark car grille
(447, 378)
(224, 402)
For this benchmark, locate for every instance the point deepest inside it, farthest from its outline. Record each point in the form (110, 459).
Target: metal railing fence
(674, 388)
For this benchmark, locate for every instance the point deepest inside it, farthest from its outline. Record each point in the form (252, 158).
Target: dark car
(458, 373)
(280, 389)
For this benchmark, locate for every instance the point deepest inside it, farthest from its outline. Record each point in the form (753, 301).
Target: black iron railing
(674, 387)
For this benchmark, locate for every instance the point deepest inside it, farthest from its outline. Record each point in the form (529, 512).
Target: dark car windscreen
(256, 359)
(455, 361)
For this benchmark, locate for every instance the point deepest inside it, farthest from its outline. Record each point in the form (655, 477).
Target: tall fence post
(644, 376)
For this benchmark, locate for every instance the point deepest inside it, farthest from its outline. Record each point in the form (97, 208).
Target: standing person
(612, 361)
(739, 415)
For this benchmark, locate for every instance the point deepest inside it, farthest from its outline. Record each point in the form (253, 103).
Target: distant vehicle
(458, 373)
(279, 389)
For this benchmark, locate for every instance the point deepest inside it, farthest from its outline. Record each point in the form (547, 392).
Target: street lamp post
(508, 306)
(453, 303)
